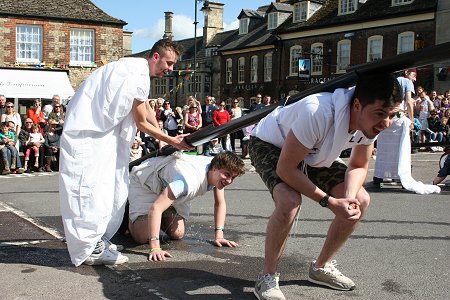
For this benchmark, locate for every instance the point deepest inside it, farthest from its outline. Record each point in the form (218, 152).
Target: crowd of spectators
(34, 142)
(431, 114)
(193, 116)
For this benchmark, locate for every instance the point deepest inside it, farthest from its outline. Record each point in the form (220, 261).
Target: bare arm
(220, 211)
(140, 117)
(164, 200)
(292, 153)
(410, 106)
(151, 115)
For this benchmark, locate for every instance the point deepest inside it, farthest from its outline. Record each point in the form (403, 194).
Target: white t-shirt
(320, 122)
(186, 176)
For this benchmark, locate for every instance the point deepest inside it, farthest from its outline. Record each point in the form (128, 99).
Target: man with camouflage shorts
(296, 151)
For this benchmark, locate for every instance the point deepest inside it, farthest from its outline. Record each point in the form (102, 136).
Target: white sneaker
(110, 245)
(330, 276)
(267, 288)
(107, 257)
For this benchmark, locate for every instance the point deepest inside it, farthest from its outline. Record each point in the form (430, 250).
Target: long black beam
(418, 58)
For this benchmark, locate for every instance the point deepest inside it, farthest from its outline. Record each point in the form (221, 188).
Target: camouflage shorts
(264, 157)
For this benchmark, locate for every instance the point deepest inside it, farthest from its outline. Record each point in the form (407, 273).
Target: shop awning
(17, 83)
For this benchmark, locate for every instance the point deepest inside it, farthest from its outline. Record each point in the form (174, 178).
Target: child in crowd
(213, 148)
(34, 137)
(136, 149)
(7, 143)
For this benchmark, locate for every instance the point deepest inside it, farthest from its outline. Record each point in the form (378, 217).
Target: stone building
(72, 38)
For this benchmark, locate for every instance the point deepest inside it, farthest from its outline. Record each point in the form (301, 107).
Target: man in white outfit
(295, 150)
(99, 129)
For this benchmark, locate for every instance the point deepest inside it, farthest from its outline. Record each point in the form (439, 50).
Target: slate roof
(76, 10)
(371, 10)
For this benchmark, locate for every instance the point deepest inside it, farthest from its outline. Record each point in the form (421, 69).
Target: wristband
(155, 249)
(154, 238)
(219, 228)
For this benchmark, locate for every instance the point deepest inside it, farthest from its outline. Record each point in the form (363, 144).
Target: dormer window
(401, 2)
(347, 6)
(243, 25)
(301, 11)
(272, 20)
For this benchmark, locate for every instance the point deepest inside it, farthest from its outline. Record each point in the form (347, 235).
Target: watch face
(324, 201)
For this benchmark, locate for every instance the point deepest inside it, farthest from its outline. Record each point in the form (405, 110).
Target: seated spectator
(7, 144)
(51, 144)
(35, 141)
(11, 115)
(161, 189)
(213, 148)
(136, 149)
(436, 129)
(445, 170)
(57, 114)
(23, 138)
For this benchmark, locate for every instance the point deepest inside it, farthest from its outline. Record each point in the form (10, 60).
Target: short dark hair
(378, 86)
(165, 44)
(229, 161)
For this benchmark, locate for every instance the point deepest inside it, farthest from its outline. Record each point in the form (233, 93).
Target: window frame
(254, 68)
(34, 46)
(293, 59)
(316, 59)
(340, 57)
(272, 20)
(402, 35)
(369, 48)
(229, 71)
(347, 7)
(243, 25)
(241, 69)
(85, 32)
(301, 11)
(267, 67)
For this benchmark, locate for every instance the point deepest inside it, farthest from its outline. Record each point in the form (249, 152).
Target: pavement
(401, 250)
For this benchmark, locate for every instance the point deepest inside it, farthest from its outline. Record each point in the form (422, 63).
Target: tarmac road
(401, 250)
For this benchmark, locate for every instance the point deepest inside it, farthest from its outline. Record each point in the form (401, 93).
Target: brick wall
(56, 44)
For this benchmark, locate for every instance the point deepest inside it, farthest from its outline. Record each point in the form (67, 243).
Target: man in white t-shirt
(161, 189)
(296, 149)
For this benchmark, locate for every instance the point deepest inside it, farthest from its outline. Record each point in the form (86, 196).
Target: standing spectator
(257, 104)
(23, 138)
(444, 106)
(49, 108)
(51, 144)
(169, 118)
(192, 119)
(435, 99)
(99, 129)
(424, 106)
(159, 108)
(235, 112)
(207, 111)
(11, 115)
(267, 100)
(220, 117)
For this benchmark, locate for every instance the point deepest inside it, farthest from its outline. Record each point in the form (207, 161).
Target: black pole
(195, 50)
(417, 58)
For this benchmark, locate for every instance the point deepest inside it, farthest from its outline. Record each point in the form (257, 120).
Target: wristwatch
(324, 201)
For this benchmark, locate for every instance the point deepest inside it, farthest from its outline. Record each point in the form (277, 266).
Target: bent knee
(176, 235)
(287, 200)
(364, 199)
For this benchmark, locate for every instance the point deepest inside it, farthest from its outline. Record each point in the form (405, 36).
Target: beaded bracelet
(219, 228)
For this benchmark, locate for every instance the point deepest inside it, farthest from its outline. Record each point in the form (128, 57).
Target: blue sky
(146, 18)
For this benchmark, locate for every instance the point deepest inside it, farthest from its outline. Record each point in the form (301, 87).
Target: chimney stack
(168, 25)
(213, 20)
